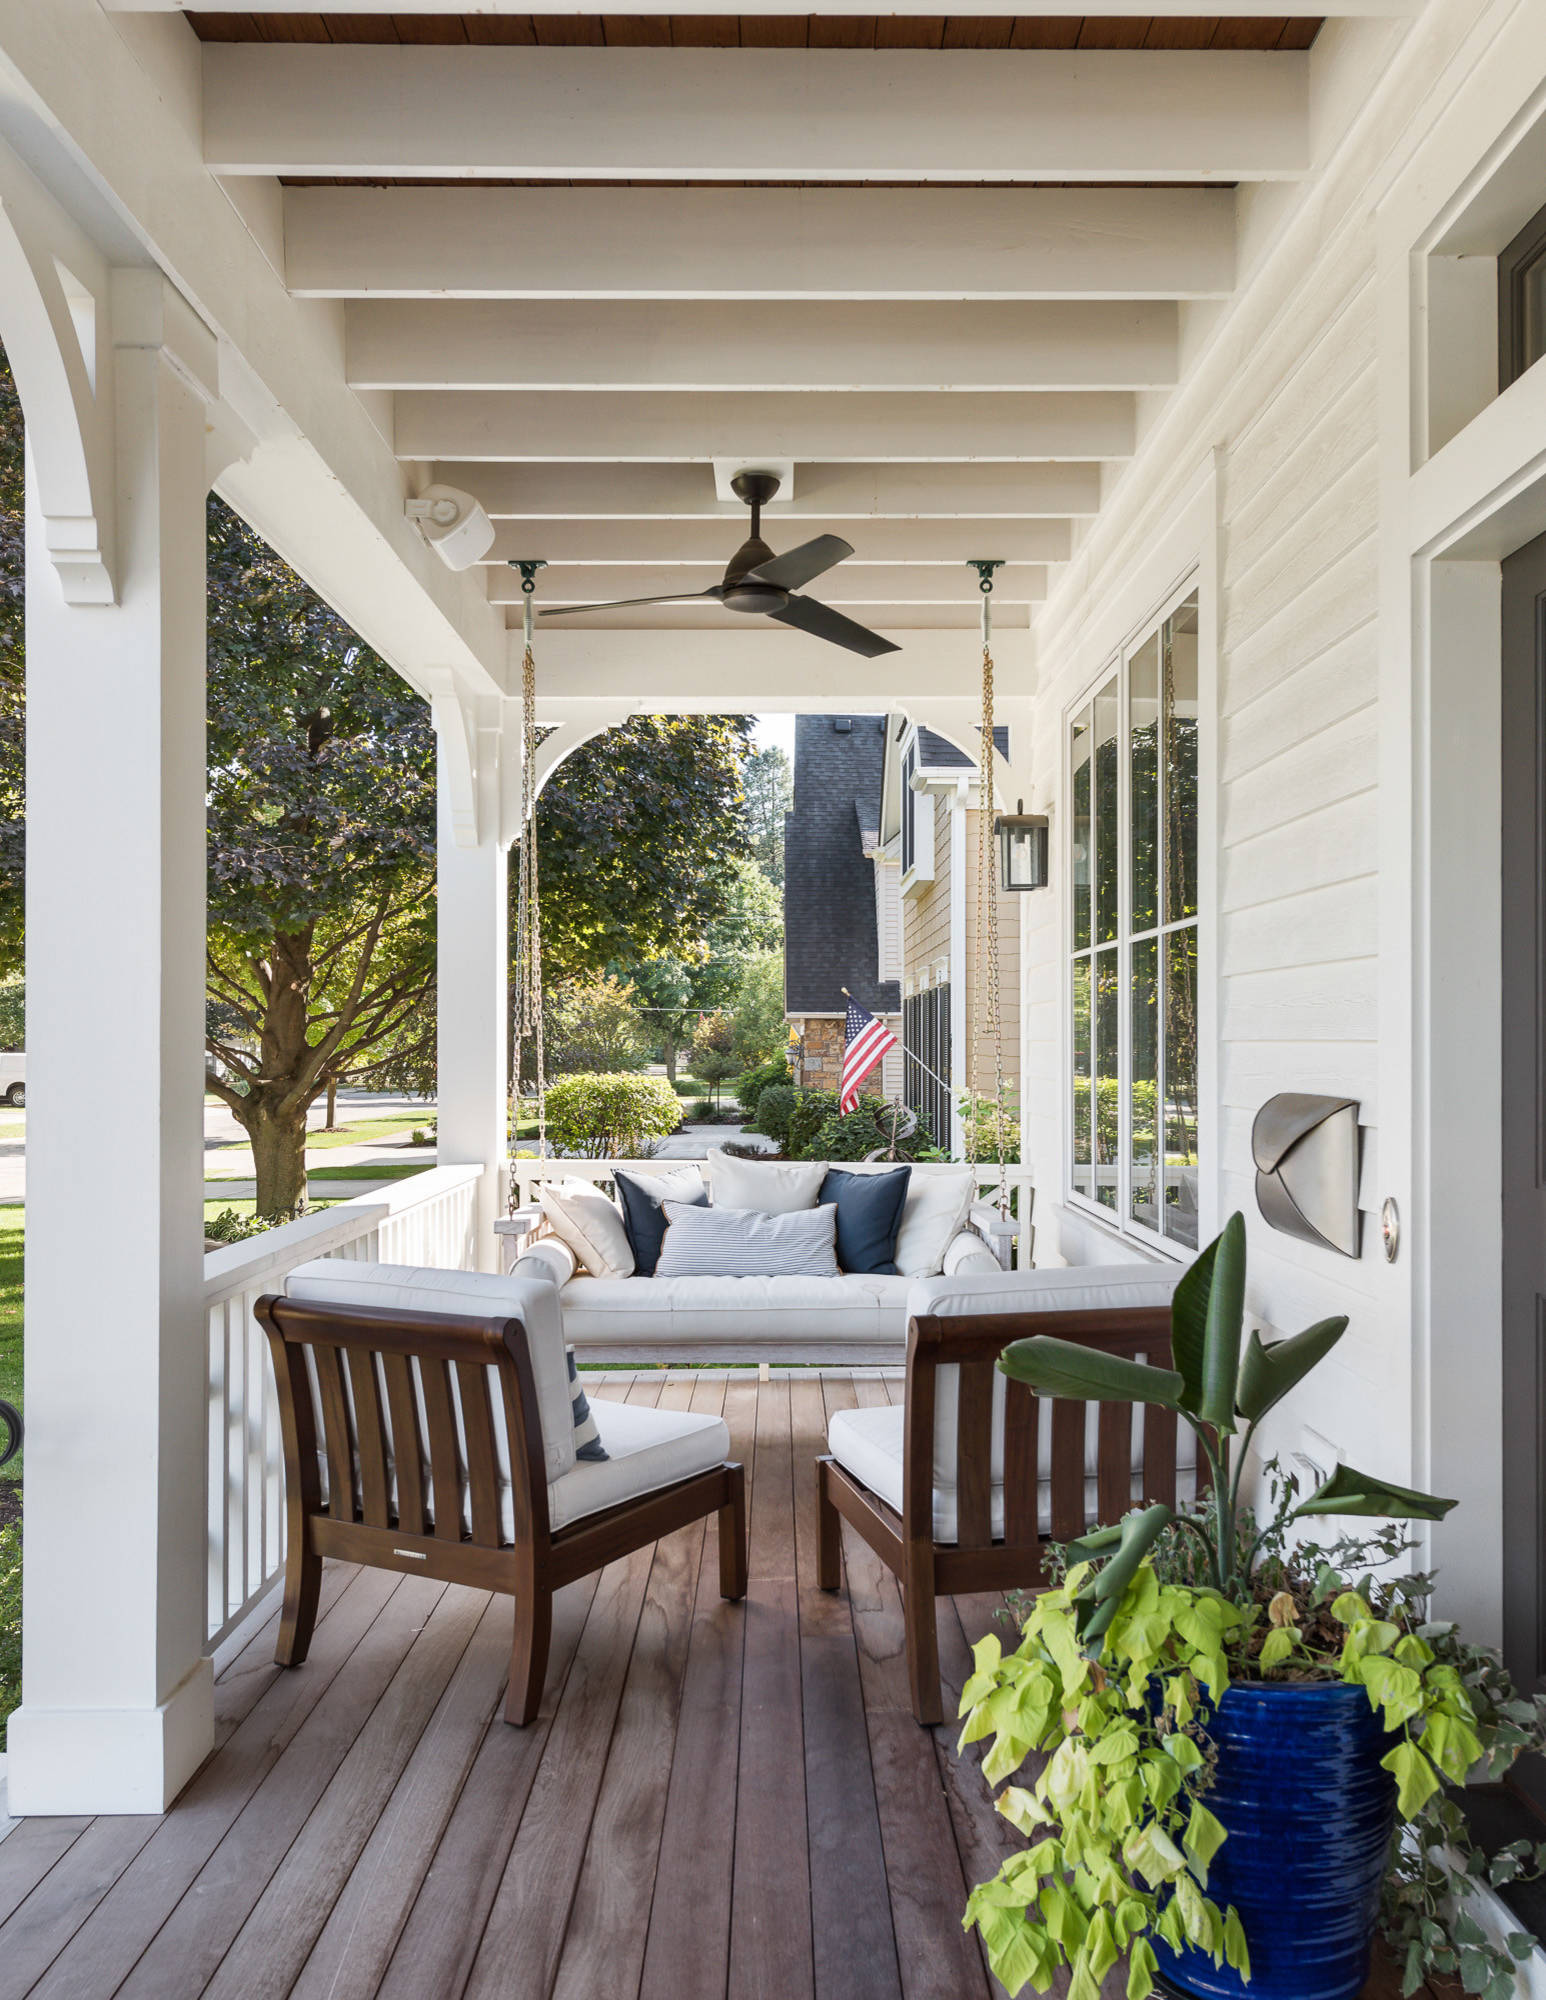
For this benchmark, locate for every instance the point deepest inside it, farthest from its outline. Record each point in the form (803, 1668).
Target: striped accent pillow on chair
(587, 1439)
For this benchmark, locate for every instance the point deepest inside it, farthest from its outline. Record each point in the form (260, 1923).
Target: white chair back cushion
(474, 1294)
(1078, 1288)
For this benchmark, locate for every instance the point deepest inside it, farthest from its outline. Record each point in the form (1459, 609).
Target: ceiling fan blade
(797, 566)
(623, 603)
(822, 622)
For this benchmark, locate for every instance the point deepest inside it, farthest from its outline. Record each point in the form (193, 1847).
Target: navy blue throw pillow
(641, 1196)
(869, 1214)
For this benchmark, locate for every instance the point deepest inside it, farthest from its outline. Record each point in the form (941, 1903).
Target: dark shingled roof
(936, 752)
(829, 886)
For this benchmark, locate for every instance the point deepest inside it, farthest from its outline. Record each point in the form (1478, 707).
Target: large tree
(321, 854)
(769, 783)
(703, 974)
(640, 836)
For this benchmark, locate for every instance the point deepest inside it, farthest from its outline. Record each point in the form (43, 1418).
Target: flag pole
(909, 1056)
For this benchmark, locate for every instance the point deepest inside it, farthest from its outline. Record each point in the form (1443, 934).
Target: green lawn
(370, 1170)
(368, 1130)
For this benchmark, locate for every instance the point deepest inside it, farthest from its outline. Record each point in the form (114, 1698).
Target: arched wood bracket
(54, 321)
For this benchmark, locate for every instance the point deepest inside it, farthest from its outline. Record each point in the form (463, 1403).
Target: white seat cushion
(869, 1444)
(646, 1449)
(688, 1311)
(478, 1294)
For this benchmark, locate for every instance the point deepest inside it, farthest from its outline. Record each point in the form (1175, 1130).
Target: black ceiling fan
(756, 580)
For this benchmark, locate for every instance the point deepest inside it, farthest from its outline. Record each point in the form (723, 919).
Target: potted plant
(1246, 1738)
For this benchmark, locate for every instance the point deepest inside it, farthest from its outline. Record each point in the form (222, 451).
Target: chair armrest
(548, 1259)
(966, 1251)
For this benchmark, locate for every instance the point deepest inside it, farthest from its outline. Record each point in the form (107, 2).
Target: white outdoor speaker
(454, 525)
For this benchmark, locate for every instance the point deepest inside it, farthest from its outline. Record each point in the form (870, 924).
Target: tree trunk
(279, 1156)
(332, 1104)
(668, 1055)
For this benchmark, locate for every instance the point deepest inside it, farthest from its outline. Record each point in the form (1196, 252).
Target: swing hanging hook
(528, 589)
(985, 566)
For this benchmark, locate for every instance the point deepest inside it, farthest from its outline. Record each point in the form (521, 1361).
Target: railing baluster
(427, 1220)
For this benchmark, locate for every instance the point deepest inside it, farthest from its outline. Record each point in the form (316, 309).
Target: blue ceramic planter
(1309, 1815)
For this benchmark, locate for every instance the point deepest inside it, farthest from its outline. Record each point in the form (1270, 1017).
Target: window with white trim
(1133, 935)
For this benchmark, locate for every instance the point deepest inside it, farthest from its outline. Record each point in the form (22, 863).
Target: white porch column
(117, 1693)
(473, 950)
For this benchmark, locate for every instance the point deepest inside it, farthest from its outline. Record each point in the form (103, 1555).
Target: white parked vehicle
(13, 1077)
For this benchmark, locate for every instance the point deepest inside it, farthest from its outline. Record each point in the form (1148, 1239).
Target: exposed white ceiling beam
(872, 428)
(825, 494)
(993, 9)
(759, 345)
(839, 114)
(852, 243)
(851, 582)
(667, 668)
(707, 543)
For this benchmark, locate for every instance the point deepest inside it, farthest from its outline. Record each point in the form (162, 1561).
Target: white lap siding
(1284, 408)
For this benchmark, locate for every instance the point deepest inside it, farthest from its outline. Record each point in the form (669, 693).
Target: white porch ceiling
(947, 267)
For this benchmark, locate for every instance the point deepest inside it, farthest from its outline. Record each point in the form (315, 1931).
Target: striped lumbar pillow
(587, 1439)
(745, 1243)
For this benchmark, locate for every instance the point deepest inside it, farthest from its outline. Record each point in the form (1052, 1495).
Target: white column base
(81, 1761)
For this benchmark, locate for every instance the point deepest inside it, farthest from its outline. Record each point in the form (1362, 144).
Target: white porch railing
(528, 1173)
(427, 1219)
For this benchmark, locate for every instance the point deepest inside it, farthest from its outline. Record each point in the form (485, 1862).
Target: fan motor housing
(749, 596)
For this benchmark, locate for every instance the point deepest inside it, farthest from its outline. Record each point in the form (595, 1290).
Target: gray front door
(1524, 1118)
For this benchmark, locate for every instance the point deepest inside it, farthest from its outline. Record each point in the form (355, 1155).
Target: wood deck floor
(717, 1802)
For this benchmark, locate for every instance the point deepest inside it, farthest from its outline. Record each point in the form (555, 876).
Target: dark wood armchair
(407, 1421)
(1009, 1556)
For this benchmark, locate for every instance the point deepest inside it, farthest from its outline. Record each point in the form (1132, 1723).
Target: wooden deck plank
(267, 1955)
(923, 1866)
(434, 1954)
(517, 1957)
(29, 1854)
(189, 1946)
(853, 1945)
(356, 1943)
(697, 1842)
(247, 1678)
(770, 1928)
(33, 1936)
(608, 1924)
(104, 1950)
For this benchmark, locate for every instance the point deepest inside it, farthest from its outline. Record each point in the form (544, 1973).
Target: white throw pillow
(769, 1186)
(935, 1209)
(591, 1224)
(746, 1243)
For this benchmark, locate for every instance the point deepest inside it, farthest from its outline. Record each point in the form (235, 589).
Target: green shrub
(229, 1226)
(610, 1116)
(865, 1130)
(592, 1025)
(10, 1623)
(775, 1106)
(754, 1082)
(812, 1109)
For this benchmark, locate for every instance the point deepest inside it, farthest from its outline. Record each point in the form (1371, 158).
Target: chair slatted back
(388, 1397)
(971, 1343)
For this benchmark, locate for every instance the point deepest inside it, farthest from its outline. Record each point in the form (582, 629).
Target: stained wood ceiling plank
(636, 31)
(706, 31)
(1047, 31)
(1113, 34)
(430, 30)
(775, 31)
(842, 31)
(909, 31)
(977, 31)
(568, 31)
(363, 28)
(1266, 34)
(1197, 33)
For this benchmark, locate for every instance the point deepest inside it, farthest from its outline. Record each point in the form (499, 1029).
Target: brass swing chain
(528, 905)
(990, 1024)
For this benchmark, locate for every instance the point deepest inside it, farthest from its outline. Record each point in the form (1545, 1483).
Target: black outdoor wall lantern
(1022, 849)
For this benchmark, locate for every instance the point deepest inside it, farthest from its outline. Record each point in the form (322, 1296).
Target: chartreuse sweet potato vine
(1118, 1670)
(1119, 1829)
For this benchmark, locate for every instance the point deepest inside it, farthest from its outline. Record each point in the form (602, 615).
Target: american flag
(865, 1041)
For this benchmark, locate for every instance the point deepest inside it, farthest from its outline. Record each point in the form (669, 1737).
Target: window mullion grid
(1124, 953)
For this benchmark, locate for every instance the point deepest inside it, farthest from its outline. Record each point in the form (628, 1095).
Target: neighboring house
(926, 866)
(841, 926)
